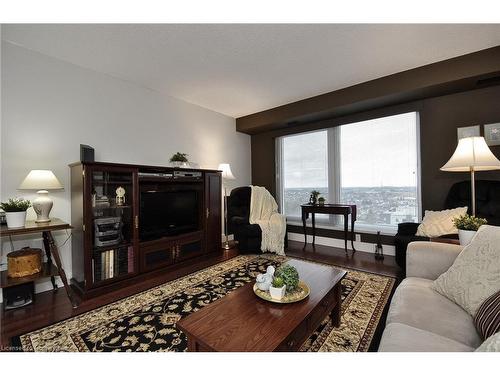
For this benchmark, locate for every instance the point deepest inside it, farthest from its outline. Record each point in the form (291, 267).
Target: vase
(15, 219)
(277, 293)
(465, 236)
(180, 164)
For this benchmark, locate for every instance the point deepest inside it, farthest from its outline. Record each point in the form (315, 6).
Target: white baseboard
(335, 242)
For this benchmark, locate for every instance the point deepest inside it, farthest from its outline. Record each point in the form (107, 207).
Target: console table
(48, 269)
(329, 209)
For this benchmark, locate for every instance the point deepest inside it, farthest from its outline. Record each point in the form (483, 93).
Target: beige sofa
(421, 319)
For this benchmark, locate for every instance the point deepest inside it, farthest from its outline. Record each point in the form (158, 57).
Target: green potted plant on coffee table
(277, 289)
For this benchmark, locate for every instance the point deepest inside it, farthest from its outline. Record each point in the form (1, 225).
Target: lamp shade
(471, 153)
(226, 171)
(39, 179)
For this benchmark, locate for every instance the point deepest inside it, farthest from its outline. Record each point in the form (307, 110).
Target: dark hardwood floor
(52, 307)
(358, 260)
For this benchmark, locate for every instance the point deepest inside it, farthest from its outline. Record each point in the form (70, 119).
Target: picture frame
(492, 134)
(468, 131)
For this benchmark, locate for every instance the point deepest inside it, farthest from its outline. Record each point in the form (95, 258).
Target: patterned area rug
(147, 321)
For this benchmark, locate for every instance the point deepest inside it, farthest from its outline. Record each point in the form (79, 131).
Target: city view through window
(378, 169)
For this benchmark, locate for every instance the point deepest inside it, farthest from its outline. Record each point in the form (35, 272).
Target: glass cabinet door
(113, 223)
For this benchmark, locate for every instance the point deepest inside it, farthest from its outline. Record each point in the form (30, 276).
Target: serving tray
(299, 294)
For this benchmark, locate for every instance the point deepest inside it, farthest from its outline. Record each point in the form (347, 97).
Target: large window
(373, 164)
(305, 168)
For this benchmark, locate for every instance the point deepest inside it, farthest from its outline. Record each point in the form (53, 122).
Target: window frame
(334, 173)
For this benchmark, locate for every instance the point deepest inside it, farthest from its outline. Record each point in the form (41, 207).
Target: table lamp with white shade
(41, 180)
(471, 155)
(226, 176)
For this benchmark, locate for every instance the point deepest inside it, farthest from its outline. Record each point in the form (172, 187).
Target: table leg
(46, 245)
(62, 274)
(335, 314)
(352, 232)
(346, 230)
(313, 217)
(304, 218)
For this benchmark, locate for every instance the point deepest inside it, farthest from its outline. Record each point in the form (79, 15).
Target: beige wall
(50, 107)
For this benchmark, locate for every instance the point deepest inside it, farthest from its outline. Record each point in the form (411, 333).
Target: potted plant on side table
(467, 226)
(15, 211)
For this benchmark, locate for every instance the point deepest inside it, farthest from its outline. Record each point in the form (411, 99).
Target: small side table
(51, 250)
(330, 209)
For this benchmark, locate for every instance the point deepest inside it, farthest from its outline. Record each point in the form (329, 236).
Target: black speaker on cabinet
(86, 153)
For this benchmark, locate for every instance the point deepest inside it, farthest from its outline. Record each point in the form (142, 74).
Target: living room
(250, 187)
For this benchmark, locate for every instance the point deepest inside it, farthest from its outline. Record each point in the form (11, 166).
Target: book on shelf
(112, 263)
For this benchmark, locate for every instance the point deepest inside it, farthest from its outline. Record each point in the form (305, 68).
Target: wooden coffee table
(242, 322)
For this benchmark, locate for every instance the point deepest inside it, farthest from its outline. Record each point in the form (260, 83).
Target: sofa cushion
(492, 344)
(399, 337)
(439, 223)
(416, 304)
(475, 274)
(487, 318)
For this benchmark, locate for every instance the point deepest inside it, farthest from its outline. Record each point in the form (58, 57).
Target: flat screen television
(168, 213)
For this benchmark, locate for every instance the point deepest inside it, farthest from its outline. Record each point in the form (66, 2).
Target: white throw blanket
(264, 212)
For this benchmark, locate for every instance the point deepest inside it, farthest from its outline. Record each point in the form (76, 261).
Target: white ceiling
(242, 69)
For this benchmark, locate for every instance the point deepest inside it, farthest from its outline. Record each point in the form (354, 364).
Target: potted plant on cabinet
(467, 226)
(277, 289)
(15, 211)
(179, 159)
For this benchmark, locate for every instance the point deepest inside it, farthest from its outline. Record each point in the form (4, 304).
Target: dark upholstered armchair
(487, 206)
(249, 236)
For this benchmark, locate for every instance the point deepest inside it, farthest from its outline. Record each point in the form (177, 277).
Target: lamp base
(42, 206)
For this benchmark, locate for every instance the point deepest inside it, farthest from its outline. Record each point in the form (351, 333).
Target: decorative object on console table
(226, 176)
(471, 155)
(15, 212)
(313, 198)
(379, 249)
(41, 180)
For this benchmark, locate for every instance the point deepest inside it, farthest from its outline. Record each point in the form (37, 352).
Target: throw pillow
(475, 274)
(439, 223)
(487, 318)
(492, 344)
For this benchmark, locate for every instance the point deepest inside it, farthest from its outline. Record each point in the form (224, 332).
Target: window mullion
(334, 169)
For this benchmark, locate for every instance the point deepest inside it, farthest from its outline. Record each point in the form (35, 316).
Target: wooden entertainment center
(132, 222)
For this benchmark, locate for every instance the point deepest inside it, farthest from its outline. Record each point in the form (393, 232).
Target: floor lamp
(471, 155)
(226, 176)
